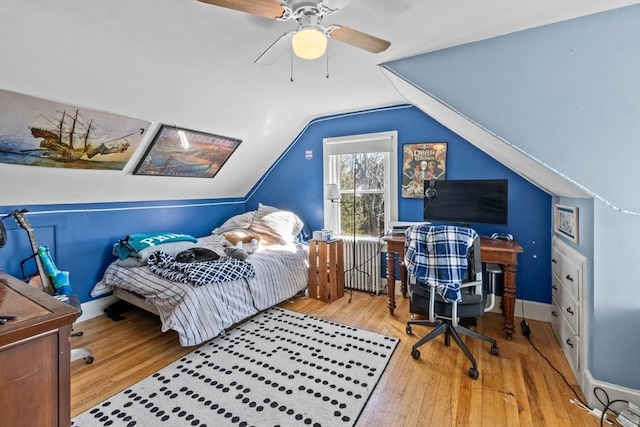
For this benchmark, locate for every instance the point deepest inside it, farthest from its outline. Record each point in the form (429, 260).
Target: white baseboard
(614, 392)
(530, 310)
(95, 307)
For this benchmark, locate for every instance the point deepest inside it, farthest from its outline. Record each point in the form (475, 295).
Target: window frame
(361, 143)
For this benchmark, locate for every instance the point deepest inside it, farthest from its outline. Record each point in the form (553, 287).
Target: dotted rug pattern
(279, 368)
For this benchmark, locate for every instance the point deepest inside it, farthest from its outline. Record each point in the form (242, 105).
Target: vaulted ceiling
(188, 63)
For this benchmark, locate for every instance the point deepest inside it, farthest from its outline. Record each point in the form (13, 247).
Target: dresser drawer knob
(554, 261)
(554, 314)
(569, 278)
(555, 288)
(569, 310)
(569, 343)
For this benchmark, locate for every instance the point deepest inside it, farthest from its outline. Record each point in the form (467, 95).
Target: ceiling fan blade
(267, 8)
(359, 39)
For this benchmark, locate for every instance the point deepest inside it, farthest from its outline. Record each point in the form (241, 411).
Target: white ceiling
(191, 64)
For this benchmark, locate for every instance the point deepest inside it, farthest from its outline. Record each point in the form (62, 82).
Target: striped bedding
(201, 313)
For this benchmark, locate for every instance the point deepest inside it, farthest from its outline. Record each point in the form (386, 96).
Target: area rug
(279, 368)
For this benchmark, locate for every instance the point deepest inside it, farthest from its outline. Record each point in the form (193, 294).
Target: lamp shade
(309, 43)
(332, 192)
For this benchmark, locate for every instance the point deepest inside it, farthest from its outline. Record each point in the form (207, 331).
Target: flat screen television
(467, 201)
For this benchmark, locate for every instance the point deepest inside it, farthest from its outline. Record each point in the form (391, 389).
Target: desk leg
(509, 299)
(403, 280)
(391, 282)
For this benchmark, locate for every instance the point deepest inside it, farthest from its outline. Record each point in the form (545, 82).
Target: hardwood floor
(516, 388)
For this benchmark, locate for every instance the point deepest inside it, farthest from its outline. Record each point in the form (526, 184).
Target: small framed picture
(565, 221)
(182, 152)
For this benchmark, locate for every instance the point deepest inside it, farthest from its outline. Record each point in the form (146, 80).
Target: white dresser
(567, 313)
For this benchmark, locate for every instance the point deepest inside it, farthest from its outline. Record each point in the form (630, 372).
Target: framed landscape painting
(185, 153)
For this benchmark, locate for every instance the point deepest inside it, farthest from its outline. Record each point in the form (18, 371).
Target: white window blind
(366, 143)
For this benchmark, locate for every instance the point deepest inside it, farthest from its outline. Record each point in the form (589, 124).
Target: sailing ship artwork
(38, 132)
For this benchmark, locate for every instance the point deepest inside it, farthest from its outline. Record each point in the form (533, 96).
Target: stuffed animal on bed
(244, 240)
(236, 252)
(236, 237)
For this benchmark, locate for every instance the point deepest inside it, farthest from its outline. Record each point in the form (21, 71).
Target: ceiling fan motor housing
(309, 14)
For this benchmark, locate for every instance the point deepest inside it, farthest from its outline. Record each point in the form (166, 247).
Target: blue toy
(59, 278)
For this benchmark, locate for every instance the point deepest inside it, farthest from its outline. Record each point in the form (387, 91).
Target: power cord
(607, 405)
(526, 331)
(600, 414)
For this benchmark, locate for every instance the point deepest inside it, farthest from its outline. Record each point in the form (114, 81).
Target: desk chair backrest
(446, 265)
(439, 255)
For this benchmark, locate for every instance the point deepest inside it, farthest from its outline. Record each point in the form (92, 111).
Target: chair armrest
(493, 268)
(471, 284)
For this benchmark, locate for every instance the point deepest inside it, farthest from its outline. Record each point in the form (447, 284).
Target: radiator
(366, 274)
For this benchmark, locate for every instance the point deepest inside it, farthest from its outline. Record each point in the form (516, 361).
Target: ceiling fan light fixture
(309, 43)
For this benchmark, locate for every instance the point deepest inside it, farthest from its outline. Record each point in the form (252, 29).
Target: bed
(199, 313)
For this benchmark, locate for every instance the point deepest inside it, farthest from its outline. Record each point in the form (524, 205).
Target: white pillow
(242, 221)
(283, 225)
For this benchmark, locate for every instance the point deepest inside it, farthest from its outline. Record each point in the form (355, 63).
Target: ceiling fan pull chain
(292, 66)
(327, 62)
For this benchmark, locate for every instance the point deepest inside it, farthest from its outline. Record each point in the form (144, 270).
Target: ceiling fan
(310, 39)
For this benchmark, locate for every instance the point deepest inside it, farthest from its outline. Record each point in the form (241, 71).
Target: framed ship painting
(187, 153)
(38, 132)
(420, 162)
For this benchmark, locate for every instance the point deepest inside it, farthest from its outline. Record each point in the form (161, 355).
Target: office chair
(76, 353)
(444, 262)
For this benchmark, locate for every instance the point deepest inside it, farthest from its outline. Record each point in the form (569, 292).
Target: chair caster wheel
(88, 360)
(473, 373)
(408, 330)
(415, 354)
(495, 350)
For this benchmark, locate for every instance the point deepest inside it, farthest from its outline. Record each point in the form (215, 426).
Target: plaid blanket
(224, 269)
(438, 255)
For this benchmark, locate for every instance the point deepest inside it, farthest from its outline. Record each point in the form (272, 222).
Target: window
(365, 169)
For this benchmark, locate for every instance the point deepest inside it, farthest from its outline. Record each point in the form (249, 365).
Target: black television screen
(467, 201)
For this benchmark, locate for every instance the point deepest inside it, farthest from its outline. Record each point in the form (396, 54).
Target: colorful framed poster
(422, 161)
(185, 153)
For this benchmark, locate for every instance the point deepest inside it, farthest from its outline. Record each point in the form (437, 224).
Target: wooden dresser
(34, 356)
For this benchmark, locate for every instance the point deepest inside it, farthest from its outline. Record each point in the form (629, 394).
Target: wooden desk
(501, 252)
(35, 387)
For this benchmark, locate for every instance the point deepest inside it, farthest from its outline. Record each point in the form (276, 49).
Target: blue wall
(295, 182)
(80, 236)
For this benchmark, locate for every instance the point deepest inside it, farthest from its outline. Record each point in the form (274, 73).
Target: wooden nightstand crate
(326, 270)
